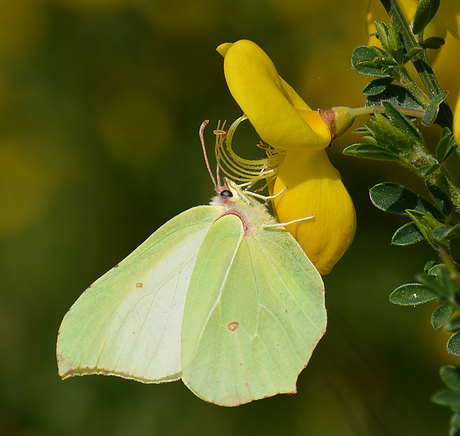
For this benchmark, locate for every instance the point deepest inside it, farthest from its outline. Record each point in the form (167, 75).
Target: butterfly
(221, 296)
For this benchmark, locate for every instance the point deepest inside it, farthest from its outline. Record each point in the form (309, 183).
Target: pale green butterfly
(221, 296)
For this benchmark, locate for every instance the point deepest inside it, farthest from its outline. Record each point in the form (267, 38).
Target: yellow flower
(449, 17)
(446, 69)
(314, 187)
(306, 182)
(277, 112)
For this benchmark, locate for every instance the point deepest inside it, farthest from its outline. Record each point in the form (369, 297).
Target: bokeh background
(100, 105)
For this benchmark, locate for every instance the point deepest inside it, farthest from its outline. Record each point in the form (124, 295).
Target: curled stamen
(240, 169)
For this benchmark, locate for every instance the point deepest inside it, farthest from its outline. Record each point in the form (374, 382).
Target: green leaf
(426, 10)
(414, 51)
(411, 294)
(430, 267)
(435, 285)
(361, 130)
(403, 123)
(434, 42)
(442, 233)
(450, 375)
(425, 223)
(426, 170)
(388, 135)
(441, 315)
(395, 198)
(447, 233)
(396, 45)
(445, 281)
(382, 35)
(377, 86)
(453, 346)
(454, 429)
(370, 151)
(365, 61)
(453, 325)
(407, 234)
(446, 145)
(432, 110)
(440, 198)
(434, 270)
(447, 398)
(395, 94)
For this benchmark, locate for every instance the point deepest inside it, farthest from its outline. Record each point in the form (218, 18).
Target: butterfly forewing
(128, 323)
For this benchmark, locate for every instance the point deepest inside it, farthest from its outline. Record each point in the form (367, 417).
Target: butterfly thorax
(252, 213)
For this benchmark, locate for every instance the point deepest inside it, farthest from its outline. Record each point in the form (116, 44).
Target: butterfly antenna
(218, 167)
(220, 138)
(218, 160)
(202, 127)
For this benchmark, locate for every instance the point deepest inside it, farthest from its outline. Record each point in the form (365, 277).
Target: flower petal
(446, 70)
(457, 121)
(449, 15)
(277, 112)
(314, 187)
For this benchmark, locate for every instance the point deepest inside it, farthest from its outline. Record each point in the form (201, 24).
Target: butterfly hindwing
(253, 314)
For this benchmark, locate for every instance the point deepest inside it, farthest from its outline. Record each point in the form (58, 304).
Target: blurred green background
(100, 105)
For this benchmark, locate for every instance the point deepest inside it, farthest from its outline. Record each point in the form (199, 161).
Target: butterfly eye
(226, 193)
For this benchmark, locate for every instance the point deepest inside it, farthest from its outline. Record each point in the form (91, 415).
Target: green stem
(406, 80)
(366, 110)
(441, 178)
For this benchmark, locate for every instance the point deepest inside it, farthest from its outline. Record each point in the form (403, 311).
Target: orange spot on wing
(233, 325)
